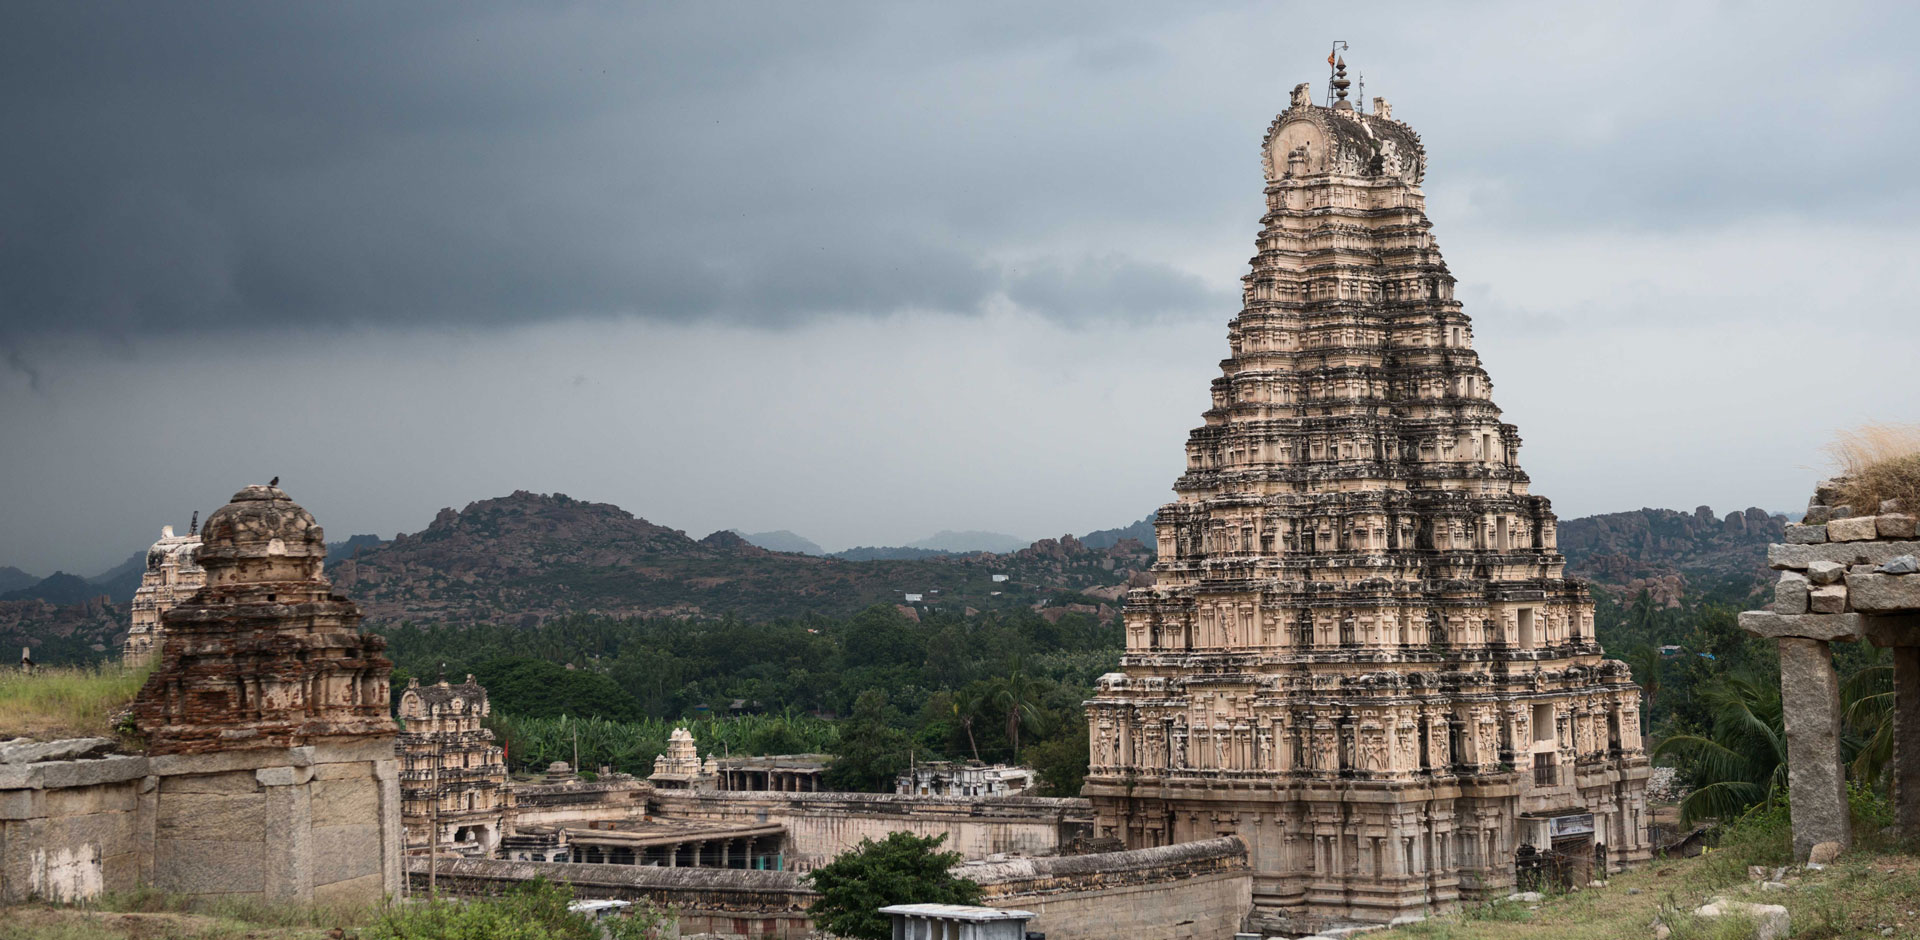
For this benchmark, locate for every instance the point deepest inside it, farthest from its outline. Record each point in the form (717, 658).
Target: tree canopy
(901, 869)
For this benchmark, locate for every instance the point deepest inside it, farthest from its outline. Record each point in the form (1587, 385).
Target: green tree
(901, 869)
(535, 688)
(1061, 761)
(871, 752)
(1743, 760)
(1017, 697)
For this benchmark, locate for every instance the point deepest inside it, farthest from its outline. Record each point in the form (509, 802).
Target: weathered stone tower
(172, 576)
(1361, 656)
(270, 747)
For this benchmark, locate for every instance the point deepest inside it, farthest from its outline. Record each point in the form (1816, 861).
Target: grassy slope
(1856, 897)
(65, 702)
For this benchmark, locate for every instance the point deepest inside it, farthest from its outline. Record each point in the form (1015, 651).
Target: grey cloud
(203, 166)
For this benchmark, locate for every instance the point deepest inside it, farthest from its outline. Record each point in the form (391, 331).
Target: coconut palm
(1018, 696)
(1743, 760)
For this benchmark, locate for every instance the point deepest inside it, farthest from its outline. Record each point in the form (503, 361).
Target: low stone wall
(823, 825)
(732, 903)
(1195, 891)
(316, 823)
(1192, 891)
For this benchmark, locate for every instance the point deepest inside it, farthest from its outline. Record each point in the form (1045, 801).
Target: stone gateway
(1362, 656)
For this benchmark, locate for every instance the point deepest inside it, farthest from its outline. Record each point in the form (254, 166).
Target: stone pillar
(1906, 739)
(1811, 694)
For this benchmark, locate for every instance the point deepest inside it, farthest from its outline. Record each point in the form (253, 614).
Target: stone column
(1906, 739)
(1811, 694)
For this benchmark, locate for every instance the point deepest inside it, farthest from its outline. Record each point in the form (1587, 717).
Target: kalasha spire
(1361, 654)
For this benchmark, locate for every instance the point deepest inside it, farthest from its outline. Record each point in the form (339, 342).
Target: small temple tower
(1362, 656)
(267, 726)
(450, 759)
(172, 576)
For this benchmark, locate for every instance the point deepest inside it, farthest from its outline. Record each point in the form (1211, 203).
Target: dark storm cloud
(190, 166)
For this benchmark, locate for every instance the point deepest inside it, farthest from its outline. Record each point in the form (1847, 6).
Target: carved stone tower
(172, 576)
(1361, 655)
(270, 747)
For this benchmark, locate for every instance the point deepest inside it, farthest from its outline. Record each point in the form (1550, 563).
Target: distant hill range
(783, 541)
(1668, 552)
(527, 558)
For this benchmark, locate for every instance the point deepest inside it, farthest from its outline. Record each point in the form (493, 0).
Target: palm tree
(1868, 695)
(1019, 694)
(1743, 760)
(967, 703)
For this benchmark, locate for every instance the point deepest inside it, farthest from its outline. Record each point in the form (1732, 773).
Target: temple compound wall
(1847, 574)
(269, 770)
(820, 826)
(1197, 891)
(1361, 655)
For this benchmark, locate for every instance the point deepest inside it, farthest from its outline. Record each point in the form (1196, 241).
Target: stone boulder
(1770, 921)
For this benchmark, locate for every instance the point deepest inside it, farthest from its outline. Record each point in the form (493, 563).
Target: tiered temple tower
(1361, 655)
(448, 758)
(172, 576)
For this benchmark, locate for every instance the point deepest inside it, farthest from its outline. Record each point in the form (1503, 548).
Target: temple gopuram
(1362, 655)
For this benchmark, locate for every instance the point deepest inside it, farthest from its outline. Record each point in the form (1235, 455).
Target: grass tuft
(65, 701)
(1878, 462)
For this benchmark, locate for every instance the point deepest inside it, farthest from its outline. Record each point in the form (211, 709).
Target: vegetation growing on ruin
(66, 701)
(1877, 462)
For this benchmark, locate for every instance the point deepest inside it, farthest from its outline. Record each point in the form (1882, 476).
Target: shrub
(533, 910)
(901, 869)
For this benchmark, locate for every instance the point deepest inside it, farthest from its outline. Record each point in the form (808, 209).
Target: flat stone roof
(956, 912)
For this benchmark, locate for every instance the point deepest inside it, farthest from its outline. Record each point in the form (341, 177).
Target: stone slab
(1828, 599)
(1884, 593)
(1790, 595)
(1826, 572)
(73, 773)
(368, 889)
(1855, 529)
(1816, 778)
(1811, 626)
(1806, 534)
(343, 853)
(1897, 526)
(346, 802)
(211, 817)
(1842, 553)
(208, 867)
(228, 782)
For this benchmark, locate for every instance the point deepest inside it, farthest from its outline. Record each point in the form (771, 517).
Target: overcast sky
(869, 271)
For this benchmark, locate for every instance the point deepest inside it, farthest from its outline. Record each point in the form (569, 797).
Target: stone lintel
(71, 773)
(1888, 593)
(168, 765)
(283, 776)
(1842, 553)
(1896, 631)
(1827, 627)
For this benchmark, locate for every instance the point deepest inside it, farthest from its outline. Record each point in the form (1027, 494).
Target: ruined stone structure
(1844, 576)
(681, 768)
(172, 576)
(964, 778)
(270, 770)
(1362, 656)
(448, 759)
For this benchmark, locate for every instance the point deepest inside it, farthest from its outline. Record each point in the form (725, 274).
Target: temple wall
(1197, 891)
(318, 823)
(823, 825)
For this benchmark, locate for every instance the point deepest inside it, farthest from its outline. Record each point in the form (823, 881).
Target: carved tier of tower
(1361, 654)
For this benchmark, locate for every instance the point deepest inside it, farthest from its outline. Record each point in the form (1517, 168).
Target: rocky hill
(527, 557)
(1668, 552)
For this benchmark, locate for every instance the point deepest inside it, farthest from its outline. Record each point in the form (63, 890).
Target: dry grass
(35, 922)
(1858, 897)
(65, 702)
(1878, 462)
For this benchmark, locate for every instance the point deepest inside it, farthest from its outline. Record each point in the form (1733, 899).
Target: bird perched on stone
(274, 482)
